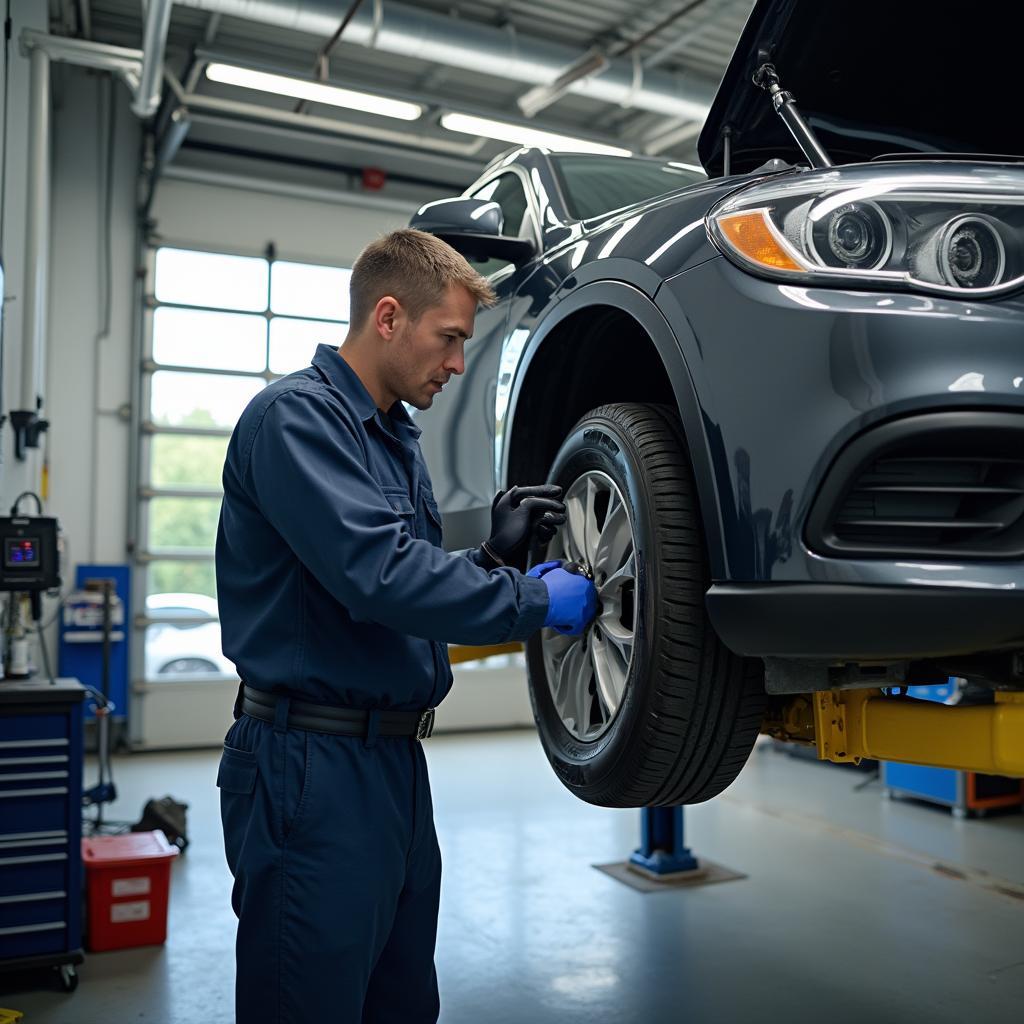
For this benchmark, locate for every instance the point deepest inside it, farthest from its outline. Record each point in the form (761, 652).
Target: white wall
(245, 220)
(88, 373)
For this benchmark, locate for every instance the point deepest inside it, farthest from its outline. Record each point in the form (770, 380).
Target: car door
(458, 430)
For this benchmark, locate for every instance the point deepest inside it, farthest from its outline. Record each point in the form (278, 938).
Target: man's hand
(519, 514)
(572, 598)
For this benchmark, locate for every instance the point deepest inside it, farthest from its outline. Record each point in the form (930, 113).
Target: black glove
(519, 514)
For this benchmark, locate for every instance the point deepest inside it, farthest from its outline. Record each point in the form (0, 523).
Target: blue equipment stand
(80, 653)
(663, 850)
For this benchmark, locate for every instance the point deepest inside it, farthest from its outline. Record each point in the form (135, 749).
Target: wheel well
(620, 364)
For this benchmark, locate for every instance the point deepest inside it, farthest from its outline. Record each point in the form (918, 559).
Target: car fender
(671, 342)
(612, 270)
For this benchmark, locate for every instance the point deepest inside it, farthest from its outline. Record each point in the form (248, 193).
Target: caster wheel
(68, 977)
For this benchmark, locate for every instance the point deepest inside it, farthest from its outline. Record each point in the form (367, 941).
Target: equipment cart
(40, 826)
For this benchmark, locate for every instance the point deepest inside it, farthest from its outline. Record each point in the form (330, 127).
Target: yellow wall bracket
(988, 738)
(458, 653)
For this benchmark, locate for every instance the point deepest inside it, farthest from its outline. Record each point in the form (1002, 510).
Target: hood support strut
(767, 78)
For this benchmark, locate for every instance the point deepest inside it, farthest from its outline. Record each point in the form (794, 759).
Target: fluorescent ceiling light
(469, 125)
(315, 92)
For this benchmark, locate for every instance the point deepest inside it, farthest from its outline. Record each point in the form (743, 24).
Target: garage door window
(220, 327)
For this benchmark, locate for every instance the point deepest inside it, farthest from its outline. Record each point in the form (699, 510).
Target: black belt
(337, 721)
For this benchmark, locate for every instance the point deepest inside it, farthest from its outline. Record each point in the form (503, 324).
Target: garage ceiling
(664, 50)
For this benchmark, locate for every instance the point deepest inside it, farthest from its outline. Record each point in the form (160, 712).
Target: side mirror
(473, 228)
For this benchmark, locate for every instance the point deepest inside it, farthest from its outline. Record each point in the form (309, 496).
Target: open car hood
(871, 77)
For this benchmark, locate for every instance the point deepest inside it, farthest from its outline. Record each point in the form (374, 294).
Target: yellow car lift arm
(848, 725)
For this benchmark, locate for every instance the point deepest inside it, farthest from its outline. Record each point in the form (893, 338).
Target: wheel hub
(587, 674)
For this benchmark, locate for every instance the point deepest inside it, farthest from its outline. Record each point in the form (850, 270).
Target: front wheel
(647, 707)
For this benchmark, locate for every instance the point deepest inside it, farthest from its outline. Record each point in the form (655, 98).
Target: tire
(686, 710)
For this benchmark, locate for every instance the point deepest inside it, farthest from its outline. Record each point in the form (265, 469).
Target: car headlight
(951, 230)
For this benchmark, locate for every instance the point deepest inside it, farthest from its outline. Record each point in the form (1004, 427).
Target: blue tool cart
(40, 826)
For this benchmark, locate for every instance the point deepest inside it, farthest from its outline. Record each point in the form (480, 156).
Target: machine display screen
(21, 552)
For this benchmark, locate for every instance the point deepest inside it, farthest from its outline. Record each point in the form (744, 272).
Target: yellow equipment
(848, 725)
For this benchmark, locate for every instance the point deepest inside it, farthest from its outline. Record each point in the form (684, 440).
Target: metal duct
(154, 39)
(408, 32)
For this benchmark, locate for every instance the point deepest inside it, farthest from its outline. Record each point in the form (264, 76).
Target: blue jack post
(663, 852)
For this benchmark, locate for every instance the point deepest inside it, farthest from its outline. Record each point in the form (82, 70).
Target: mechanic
(336, 604)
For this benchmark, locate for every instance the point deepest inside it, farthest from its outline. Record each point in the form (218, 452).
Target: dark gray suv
(784, 393)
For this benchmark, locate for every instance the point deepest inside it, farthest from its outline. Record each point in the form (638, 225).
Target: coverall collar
(329, 361)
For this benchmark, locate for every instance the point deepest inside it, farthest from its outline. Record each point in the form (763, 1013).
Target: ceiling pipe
(154, 40)
(408, 31)
(37, 225)
(120, 60)
(25, 421)
(134, 67)
(674, 137)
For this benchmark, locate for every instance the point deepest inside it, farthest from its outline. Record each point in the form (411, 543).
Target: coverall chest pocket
(402, 507)
(435, 530)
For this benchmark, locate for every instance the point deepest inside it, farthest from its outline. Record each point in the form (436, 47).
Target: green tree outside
(185, 523)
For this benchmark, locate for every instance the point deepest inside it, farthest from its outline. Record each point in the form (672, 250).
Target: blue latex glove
(538, 570)
(572, 599)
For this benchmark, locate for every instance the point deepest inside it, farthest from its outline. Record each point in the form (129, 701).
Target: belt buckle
(425, 726)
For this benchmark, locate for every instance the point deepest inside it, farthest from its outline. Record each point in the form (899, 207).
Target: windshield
(594, 185)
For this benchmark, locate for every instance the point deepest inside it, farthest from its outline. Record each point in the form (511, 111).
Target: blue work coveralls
(334, 588)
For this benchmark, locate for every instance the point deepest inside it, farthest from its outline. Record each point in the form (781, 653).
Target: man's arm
(478, 557)
(305, 472)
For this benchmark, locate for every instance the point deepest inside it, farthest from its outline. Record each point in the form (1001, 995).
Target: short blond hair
(416, 268)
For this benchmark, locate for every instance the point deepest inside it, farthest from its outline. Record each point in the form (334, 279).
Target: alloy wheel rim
(587, 674)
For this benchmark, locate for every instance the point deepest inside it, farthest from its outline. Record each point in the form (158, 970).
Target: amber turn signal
(752, 235)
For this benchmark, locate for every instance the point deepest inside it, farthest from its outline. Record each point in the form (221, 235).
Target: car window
(594, 185)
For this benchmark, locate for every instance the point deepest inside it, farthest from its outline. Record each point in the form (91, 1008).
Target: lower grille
(939, 485)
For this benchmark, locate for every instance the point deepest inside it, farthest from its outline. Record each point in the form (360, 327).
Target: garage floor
(855, 908)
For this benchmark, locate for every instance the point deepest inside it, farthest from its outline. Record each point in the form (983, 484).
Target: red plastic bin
(128, 880)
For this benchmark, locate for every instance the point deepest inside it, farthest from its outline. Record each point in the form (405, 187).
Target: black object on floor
(168, 815)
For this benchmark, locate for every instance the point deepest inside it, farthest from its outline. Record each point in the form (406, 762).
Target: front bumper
(786, 378)
(852, 622)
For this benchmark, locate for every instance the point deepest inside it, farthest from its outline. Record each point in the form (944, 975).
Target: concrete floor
(856, 908)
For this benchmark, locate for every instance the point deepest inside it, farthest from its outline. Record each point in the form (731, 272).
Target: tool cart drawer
(33, 862)
(35, 779)
(29, 908)
(40, 821)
